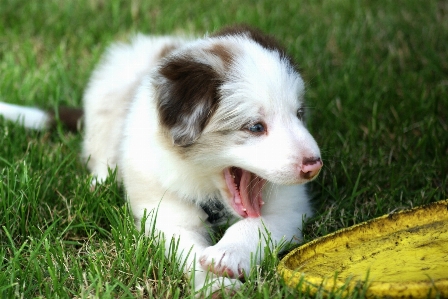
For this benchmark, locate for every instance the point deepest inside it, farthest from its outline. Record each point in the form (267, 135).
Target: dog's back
(110, 90)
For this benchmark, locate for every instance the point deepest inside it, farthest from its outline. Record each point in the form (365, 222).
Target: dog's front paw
(208, 285)
(227, 261)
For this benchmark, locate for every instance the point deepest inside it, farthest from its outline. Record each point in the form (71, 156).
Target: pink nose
(310, 167)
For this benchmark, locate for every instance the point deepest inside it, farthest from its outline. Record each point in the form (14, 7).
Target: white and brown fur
(177, 116)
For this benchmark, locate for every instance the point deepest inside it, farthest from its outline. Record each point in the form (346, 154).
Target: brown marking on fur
(222, 52)
(188, 97)
(266, 41)
(69, 117)
(167, 50)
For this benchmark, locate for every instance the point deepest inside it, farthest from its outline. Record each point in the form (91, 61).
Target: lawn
(377, 98)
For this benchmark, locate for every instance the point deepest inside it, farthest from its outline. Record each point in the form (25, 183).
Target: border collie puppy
(202, 131)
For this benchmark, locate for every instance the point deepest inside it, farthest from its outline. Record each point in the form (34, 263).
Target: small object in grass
(399, 255)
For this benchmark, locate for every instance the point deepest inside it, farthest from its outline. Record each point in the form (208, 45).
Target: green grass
(377, 76)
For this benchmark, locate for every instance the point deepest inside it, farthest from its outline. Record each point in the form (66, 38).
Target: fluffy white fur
(32, 118)
(123, 129)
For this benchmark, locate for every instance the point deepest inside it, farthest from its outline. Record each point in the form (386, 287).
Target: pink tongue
(248, 201)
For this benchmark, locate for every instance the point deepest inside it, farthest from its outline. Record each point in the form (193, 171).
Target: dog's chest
(217, 213)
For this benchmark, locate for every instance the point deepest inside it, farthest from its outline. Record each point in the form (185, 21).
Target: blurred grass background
(377, 82)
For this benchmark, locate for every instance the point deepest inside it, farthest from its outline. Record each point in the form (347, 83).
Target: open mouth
(246, 191)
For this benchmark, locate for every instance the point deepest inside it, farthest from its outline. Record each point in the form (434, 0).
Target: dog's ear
(187, 96)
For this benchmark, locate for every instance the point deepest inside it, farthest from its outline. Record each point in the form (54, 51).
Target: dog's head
(233, 103)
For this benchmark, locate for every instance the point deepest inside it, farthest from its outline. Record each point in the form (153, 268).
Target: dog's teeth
(244, 209)
(261, 202)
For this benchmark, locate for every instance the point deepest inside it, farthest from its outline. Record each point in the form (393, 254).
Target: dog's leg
(182, 225)
(244, 242)
(101, 143)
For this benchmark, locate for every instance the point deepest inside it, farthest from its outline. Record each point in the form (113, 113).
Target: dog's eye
(300, 113)
(257, 128)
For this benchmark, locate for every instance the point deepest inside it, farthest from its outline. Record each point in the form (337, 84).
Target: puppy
(202, 131)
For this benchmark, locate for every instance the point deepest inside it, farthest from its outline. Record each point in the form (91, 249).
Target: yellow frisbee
(399, 255)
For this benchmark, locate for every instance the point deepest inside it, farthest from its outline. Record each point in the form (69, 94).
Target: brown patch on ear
(266, 41)
(167, 50)
(222, 52)
(187, 97)
(69, 117)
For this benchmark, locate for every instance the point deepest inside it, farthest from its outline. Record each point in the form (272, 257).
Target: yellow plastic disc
(400, 255)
